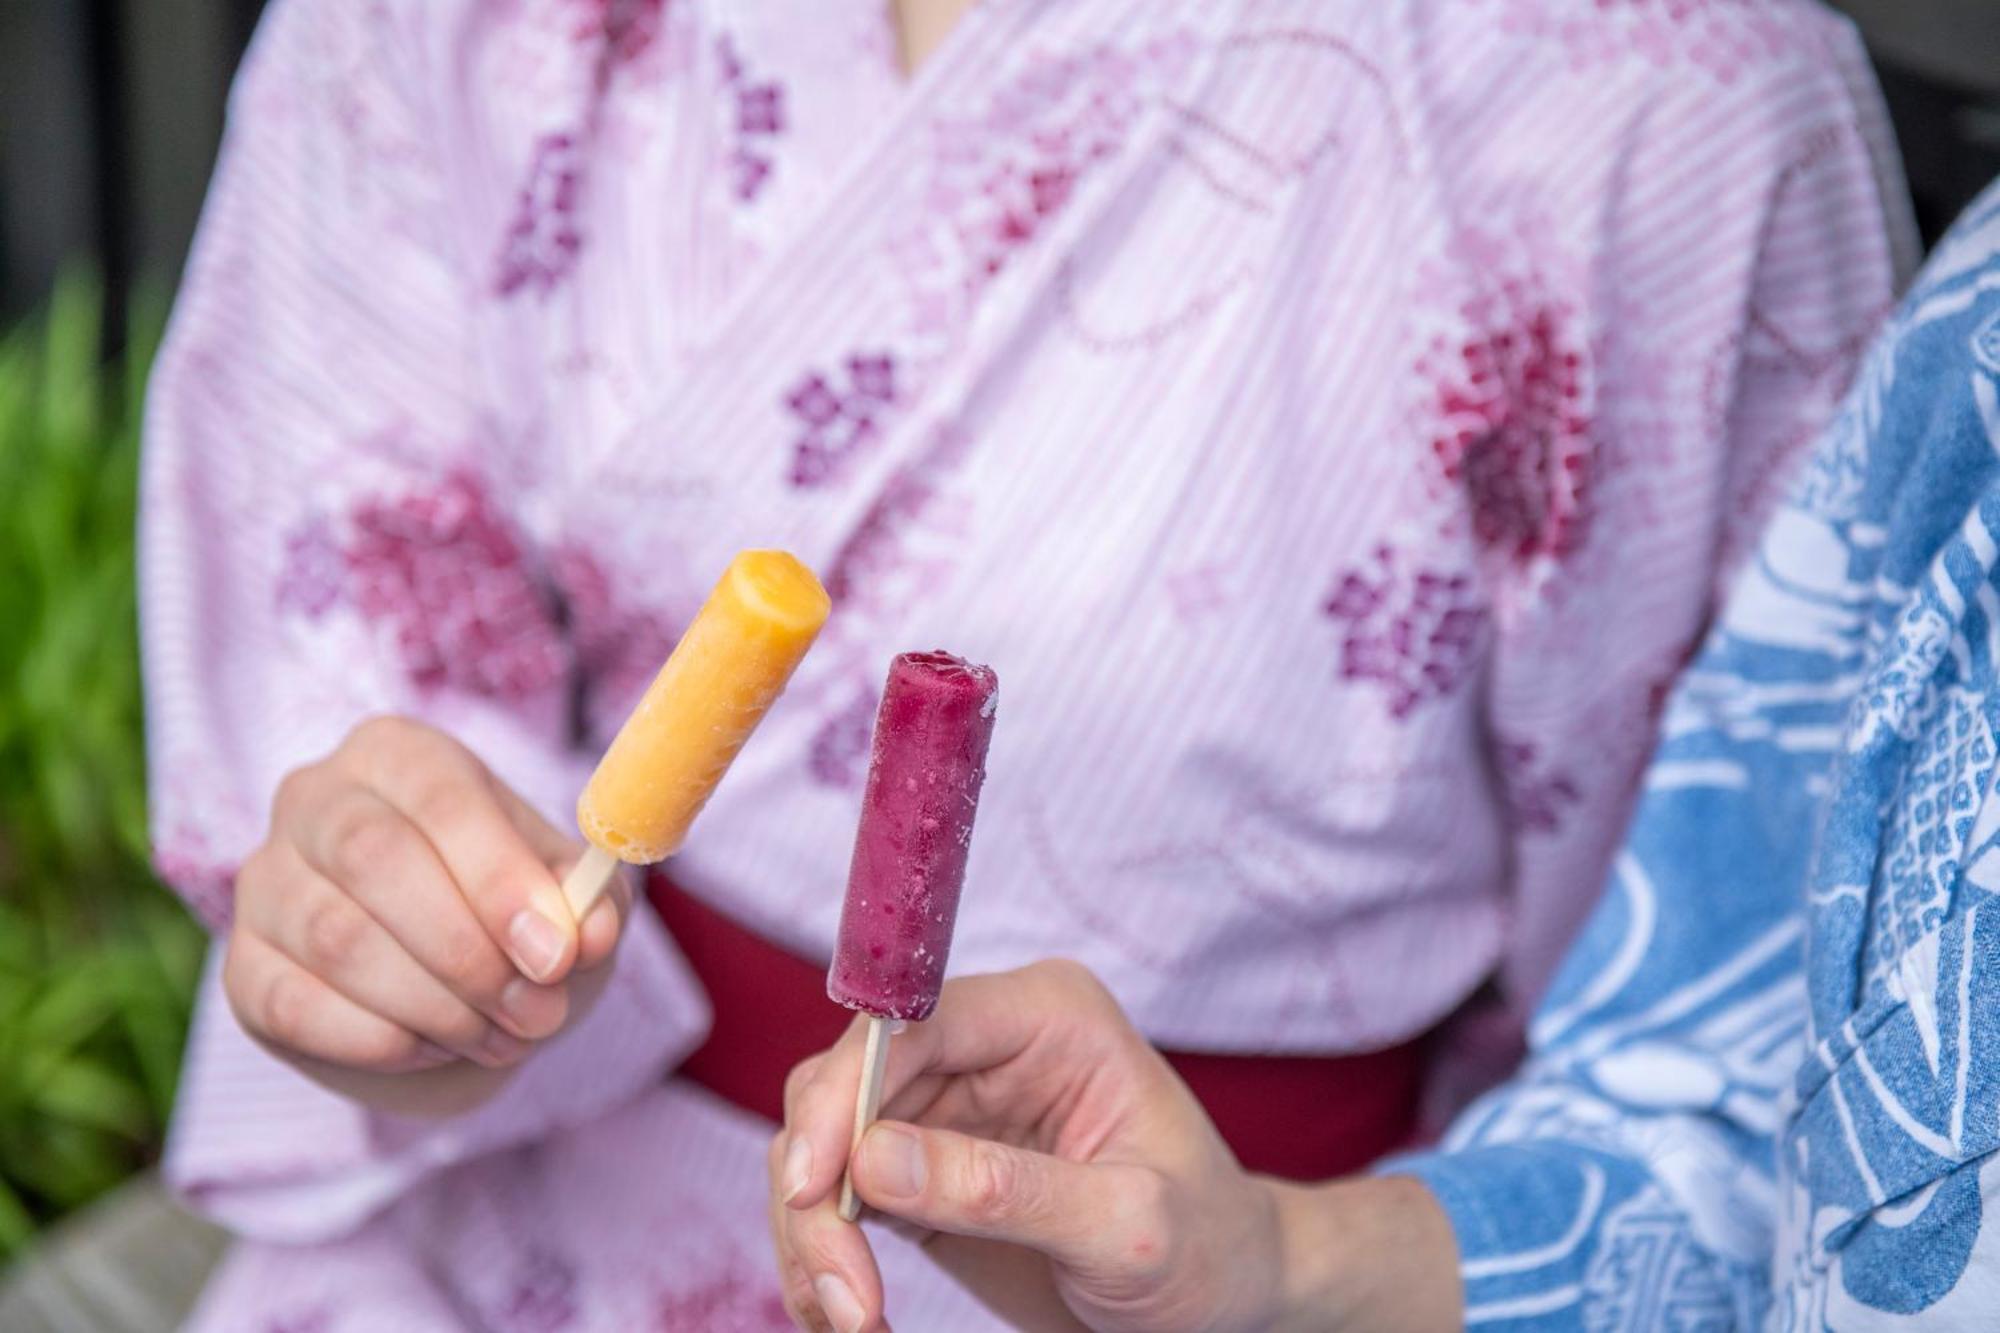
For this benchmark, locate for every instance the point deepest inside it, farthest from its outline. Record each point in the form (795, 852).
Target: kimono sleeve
(1748, 243)
(328, 531)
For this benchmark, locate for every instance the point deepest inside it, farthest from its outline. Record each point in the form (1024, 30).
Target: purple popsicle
(929, 760)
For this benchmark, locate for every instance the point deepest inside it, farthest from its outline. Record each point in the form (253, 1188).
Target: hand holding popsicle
(1068, 1179)
(924, 777)
(401, 935)
(665, 762)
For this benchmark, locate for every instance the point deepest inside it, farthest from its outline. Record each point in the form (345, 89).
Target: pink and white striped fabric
(1333, 417)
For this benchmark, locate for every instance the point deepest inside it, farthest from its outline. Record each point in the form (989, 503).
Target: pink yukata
(1334, 418)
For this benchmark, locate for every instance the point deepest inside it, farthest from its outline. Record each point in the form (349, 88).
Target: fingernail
(895, 1161)
(536, 1011)
(798, 1167)
(839, 1304)
(501, 1049)
(430, 1053)
(538, 943)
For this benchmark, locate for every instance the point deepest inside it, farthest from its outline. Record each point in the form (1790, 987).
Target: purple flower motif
(760, 109)
(1416, 634)
(759, 116)
(873, 377)
(730, 60)
(814, 401)
(1536, 799)
(543, 241)
(751, 172)
(840, 425)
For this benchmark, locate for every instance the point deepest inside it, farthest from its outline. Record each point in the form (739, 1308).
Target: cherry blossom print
(992, 183)
(627, 29)
(544, 239)
(994, 180)
(755, 115)
(1537, 796)
(1415, 632)
(443, 573)
(1505, 397)
(839, 419)
(1720, 38)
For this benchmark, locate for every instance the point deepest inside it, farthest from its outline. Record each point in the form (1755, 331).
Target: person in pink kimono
(1334, 418)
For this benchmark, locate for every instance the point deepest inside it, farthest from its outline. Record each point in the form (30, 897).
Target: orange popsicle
(666, 760)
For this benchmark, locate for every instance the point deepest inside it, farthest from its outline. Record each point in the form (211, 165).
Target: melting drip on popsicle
(929, 760)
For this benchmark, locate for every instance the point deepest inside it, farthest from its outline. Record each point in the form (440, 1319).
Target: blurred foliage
(97, 961)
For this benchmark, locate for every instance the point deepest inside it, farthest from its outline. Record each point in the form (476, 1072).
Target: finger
(827, 1263)
(557, 850)
(1107, 1220)
(981, 1023)
(328, 934)
(367, 848)
(819, 1116)
(286, 1007)
(597, 936)
(795, 1284)
(451, 797)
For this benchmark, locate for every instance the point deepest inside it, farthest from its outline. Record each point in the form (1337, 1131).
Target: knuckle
(377, 733)
(797, 1081)
(259, 869)
(293, 789)
(386, 1048)
(360, 841)
(462, 1030)
(285, 1011)
(993, 1187)
(333, 935)
(236, 988)
(1070, 978)
(462, 955)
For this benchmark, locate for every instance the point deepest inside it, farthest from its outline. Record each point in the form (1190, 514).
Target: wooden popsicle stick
(587, 880)
(867, 1103)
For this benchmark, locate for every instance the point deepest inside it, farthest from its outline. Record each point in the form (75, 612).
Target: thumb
(1100, 1219)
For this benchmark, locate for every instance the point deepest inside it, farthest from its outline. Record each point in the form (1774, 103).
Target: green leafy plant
(97, 961)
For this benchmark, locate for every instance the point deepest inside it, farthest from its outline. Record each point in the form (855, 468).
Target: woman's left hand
(1071, 1180)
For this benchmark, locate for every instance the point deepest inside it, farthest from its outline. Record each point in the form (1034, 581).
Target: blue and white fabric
(1765, 1087)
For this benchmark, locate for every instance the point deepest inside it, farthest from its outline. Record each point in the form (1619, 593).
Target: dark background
(110, 111)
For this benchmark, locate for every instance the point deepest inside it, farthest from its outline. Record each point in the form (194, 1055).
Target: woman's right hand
(1067, 1177)
(401, 934)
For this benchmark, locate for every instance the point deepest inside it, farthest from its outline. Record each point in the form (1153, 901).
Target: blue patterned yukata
(1765, 1087)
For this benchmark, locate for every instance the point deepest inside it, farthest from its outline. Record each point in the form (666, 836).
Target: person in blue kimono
(1765, 1087)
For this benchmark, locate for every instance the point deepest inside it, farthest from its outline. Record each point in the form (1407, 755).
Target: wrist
(1373, 1253)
